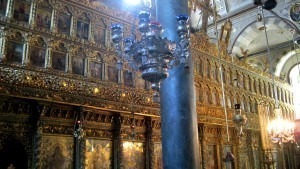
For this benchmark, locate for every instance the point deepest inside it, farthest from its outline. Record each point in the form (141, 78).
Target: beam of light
(132, 2)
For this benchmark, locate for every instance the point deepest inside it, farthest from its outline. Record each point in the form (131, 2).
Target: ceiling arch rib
(252, 38)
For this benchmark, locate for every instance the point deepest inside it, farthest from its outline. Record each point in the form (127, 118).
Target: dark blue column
(177, 97)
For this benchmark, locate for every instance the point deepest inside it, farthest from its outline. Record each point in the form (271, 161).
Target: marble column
(177, 99)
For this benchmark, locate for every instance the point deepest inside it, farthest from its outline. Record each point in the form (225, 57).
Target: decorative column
(178, 113)
(117, 143)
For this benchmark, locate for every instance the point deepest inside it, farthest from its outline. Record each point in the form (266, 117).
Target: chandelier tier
(153, 55)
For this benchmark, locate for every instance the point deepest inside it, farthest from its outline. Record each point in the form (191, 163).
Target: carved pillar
(32, 13)
(37, 137)
(37, 146)
(117, 143)
(53, 27)
(10, 9)
(3, 40)
(78, 140)
(180, 143)
(149, 145)
(86, 72)
(25, 60)
(69, 61)
(48, 58)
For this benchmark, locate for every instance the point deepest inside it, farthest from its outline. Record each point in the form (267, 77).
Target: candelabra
(239, 119)
(152, 54)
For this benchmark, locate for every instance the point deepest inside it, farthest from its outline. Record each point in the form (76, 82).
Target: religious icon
(83, 28)
(64, 23)
(128, 78)
(56, 159)
(98, 154)
(37, 56)
(59, 61)
(112, 73)
(295, 12)
(96, 70)
(133, 155)
(14, 52)
(43, 18)
(99, 35)
(78, 65)
(22, 10)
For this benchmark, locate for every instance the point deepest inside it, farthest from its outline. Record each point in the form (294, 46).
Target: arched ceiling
(253, 38)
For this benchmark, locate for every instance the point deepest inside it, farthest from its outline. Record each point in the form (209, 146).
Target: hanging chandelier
(152, 54)
(281, 130)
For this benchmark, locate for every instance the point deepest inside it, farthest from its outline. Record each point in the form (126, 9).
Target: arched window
(295, 82)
